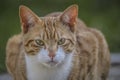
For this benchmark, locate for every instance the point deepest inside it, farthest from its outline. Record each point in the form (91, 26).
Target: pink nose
(51, 55)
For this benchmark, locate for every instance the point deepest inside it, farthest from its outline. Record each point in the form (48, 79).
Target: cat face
(48, 40)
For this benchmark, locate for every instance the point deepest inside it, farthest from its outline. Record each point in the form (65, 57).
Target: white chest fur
(36, 71)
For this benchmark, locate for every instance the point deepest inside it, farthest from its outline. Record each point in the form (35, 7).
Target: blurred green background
(101, 14)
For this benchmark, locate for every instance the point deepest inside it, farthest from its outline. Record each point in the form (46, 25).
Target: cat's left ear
(69, 16)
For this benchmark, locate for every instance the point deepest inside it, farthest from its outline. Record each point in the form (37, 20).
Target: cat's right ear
(27, 18)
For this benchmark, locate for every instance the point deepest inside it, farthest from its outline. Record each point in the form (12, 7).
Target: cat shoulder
(13, 43)
(12, 50)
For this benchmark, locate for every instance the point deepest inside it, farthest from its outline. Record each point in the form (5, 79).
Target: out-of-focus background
(101, 14)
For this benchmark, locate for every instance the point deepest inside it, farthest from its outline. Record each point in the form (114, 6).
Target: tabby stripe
(47, 33)
(28, 42)
(55, 35)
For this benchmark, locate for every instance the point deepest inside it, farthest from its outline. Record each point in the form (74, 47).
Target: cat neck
(36, 71)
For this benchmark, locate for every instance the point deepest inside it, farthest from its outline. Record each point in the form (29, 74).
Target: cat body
(58, 46)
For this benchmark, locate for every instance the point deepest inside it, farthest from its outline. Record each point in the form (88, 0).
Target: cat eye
(39, 42)
(61, 41)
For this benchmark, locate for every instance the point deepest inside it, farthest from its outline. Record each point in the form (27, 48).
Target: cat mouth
(52, 63)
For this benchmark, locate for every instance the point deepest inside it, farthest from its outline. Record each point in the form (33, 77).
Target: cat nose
(51, 55)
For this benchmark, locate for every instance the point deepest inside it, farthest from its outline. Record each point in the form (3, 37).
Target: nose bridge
(52, 45)
(52, 49)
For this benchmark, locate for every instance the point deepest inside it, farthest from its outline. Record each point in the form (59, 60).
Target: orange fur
(91, 58)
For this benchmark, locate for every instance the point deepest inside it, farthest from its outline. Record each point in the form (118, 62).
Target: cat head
(49, 40)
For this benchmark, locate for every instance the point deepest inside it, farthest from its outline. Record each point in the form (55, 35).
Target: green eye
(61, 41)
(39, 42)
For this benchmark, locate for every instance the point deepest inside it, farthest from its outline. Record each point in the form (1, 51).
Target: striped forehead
(50, 26)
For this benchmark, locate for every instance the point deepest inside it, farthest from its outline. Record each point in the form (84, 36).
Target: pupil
(39, 42)
(61, 41)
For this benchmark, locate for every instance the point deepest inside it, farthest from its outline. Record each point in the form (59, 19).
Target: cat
(58, 46)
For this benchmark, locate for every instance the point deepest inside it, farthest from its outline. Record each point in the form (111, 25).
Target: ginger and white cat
(58, 46)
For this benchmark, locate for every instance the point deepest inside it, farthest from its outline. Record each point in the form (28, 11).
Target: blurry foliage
(101, 14)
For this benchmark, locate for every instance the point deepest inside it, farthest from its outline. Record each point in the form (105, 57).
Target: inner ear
(69, 17)
(28, 18)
